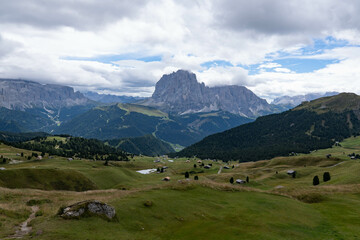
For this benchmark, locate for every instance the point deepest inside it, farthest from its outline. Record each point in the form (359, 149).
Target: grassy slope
(142, 109)
(208, 209)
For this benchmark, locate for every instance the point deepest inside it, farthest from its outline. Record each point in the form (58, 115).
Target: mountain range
(288, 102)
(28, 106)
(22, 94)
(109, 98)
(180, 112)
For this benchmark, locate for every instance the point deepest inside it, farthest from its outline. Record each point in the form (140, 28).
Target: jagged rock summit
(181, 93)
(23, 94)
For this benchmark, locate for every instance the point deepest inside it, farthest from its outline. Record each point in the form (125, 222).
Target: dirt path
(24, 228)
(220, 170)
(336, 164)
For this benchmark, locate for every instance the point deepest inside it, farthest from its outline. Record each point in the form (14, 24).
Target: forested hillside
(314, 125)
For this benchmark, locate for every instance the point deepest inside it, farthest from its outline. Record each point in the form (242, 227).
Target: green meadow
(272, 205)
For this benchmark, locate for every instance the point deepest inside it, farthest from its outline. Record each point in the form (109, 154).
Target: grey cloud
(287, 17)
(78, 14)
(7, 46)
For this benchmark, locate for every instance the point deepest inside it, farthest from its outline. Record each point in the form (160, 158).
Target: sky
(273, 47)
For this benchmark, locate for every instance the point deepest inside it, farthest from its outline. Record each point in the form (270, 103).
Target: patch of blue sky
(304, 65)
(110, 59)
(297, 65)
(216, 63)
(321, 45)
(300, 61)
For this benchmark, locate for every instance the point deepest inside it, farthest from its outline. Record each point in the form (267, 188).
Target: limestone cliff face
(21, 94)
(181, 93)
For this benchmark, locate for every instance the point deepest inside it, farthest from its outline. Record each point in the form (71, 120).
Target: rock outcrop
(181, 93)
(87, 208)
(22, 94)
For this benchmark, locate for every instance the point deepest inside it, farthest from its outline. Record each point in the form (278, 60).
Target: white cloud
(37, 36)
(284, 70)
(269, 65)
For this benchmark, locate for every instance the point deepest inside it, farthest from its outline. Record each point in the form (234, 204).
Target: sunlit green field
(273, 205)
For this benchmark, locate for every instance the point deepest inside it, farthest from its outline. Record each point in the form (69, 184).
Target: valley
(271, 205)
(179, 120)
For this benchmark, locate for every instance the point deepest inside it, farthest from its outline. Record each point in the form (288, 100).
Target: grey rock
(91, 207)
(22, 94)
(181, 93)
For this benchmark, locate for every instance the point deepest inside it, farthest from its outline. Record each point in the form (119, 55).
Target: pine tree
(196, 178)
(195, 166)
(187, 175)
(247, 179)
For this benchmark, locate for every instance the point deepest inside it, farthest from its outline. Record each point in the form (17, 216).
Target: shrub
(316, 181)
(231, 180)
(187, 175)
(148, 203)
(33, 202)
(311, 197)
(326, 176)
(196, 178)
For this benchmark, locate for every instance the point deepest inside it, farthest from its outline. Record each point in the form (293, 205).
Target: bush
(310, 197)
(326, 176)
(231, 180)
(187, 175)
(33, 202)
(148, 203)
(316, 181)
(39, 213)
(196, 178)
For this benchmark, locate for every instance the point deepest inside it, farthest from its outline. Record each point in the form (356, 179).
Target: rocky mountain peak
(23, 94)
(181, 93)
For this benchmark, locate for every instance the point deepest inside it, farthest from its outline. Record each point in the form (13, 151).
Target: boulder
(87, 208)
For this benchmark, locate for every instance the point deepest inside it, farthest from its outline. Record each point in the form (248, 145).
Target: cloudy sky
(273, 47)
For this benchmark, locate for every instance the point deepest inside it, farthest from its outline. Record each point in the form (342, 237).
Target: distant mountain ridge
(28, 106)
(294, 101)
(181, 93)
(23, 94)
(109, 98)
